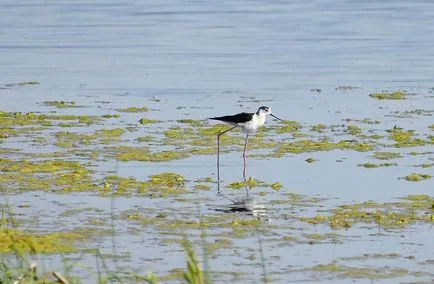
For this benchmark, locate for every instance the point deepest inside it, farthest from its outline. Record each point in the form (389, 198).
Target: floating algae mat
(124, 184)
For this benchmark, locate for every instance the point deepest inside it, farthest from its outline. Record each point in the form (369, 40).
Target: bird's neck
(260, 118)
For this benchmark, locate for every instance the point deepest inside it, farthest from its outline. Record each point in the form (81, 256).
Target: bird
(248, 123)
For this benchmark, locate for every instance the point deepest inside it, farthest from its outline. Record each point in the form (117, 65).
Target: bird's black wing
(237, 118)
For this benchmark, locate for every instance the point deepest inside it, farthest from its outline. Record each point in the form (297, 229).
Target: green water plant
(397, 95)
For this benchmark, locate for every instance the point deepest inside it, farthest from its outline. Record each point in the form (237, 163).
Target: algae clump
(417, 177)
(397, 95)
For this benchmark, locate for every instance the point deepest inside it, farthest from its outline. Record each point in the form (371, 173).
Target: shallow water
(195, 60)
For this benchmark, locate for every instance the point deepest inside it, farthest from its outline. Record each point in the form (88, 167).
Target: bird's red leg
(218, 156)
(244, 157)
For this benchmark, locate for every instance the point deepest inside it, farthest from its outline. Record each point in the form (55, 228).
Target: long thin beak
(276, 117)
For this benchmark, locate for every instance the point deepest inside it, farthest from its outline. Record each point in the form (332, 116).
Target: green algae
(61, 104)
(318, 128)
(205, 179)
(125, 153)
(303, 146)
(22, 84)
(133, 109)
(425, 165)
(144, 121)
(46, 175)
(386, 215)
(253, 183)
(79, 119)
(167, 180)
(161, 185)
(405, 138)
(20, 119)
(314, 236)
(7, 131)
(371, 165)
(398, 95)
(417, 177)
(110, 116)
(66, 139)
(311, 160)
(191, 122)
(344, 271)
(276, 186)
(386, 155)
(354, 130)
(363, 121)
(48, 166)
(202, 187)
(13, 240)
(347, 88)
(288, 127)
(147, 138)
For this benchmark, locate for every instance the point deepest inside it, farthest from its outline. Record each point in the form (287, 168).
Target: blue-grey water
(202, 59)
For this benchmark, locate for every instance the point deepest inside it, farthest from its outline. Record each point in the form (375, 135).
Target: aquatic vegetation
(147, 121)
(425, 165)
(417, 177)
(125, 153)
(47, 166)
(344, 271)
(167, 180)
(13, 240)
(22, 84)
(46, 175)
(116, 132)
(288, 127)
(397, 214)
(405, 138)
(354, 130)
(161, 185)
(303, 146)
(276, 186)
(347, 88)
(245, 223)
(363, 121)
(397, 95)
(370, 165)
(193, 275)
(20, 119)
(133, 109)
(66, 139)
(110, 116)
(310, 160)
(191, 122)
(252, 183)
(147, 138)
(80, 119)
(387, 155)
(202, 187)
(6, 132)
(61, 104)
(318, 128)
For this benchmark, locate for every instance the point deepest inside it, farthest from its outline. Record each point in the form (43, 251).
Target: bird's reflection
(248, 203)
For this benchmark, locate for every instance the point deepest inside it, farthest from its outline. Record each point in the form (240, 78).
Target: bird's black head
(263, 109)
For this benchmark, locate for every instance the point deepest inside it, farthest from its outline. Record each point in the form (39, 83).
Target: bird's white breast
(250, 127)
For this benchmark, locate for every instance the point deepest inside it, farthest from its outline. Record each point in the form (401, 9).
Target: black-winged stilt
(248, 122)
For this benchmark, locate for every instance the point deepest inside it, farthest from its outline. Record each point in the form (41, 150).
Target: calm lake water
(193, 59)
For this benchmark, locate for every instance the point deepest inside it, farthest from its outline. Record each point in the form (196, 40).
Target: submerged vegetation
(412, 209)
(397, 95)
(75, 154)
